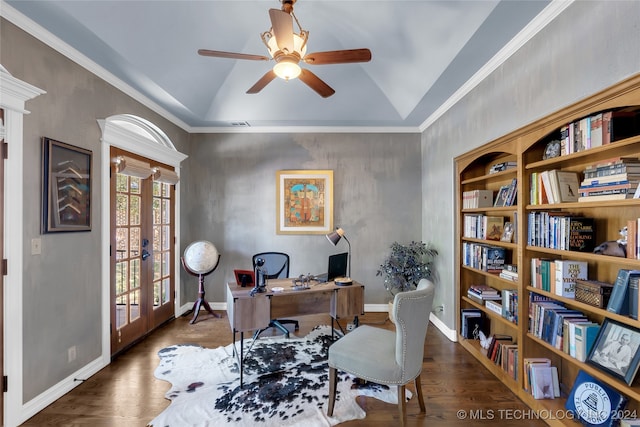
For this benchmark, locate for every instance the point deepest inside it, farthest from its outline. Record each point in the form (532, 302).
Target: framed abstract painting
(304, 201)
(66, 185)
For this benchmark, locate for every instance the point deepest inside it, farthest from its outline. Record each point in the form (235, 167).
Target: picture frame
(66, 187)
(244, 278)
(615, 350)
(304, 201)
(501, 197)
(507, 232)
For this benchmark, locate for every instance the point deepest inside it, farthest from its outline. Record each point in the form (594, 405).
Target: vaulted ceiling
(423, 53)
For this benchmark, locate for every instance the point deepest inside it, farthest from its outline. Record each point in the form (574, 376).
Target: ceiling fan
(287, 49)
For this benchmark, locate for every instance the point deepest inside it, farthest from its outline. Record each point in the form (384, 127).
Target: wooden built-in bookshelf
(526, 146)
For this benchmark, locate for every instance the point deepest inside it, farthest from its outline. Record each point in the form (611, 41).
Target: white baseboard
(47, 397)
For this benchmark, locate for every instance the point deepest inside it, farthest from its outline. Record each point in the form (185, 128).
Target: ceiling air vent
(240, 124)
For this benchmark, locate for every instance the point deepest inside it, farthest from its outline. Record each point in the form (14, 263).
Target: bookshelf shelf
(524, 148)
(587, 256)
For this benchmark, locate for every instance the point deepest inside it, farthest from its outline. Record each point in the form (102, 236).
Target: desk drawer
(300, 303)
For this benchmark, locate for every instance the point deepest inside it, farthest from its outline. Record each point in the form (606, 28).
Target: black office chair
(276, 265)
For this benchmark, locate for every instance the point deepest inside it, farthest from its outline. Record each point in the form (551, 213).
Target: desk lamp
(334, 237)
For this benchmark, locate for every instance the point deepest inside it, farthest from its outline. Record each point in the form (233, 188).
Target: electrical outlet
(350, 326)
(36, 246)
(440, 309)
(71, 354)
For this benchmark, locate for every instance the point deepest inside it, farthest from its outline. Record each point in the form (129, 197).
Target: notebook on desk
(337, 267)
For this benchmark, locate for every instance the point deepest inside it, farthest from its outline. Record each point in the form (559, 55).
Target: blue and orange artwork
(305, 199)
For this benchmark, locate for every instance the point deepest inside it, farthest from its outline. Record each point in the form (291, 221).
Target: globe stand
(200, 302)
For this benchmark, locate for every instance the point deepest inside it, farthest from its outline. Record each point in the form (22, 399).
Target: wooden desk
(250, 313)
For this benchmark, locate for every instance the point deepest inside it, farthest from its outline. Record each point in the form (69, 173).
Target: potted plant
(405, 266)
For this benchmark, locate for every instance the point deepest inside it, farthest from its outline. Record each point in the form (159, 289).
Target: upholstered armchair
(387, 357)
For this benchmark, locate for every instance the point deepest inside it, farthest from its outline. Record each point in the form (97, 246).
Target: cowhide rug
(285, 384)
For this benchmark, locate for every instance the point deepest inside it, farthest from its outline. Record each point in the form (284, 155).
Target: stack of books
(483, 293)
(509, 272)
(616, 179)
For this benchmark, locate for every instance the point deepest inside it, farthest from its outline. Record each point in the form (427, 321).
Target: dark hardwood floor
(126, 393)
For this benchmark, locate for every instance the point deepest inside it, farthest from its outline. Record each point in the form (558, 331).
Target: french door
(142, 254)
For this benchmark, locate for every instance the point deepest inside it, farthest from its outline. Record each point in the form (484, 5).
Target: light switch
(36, 246)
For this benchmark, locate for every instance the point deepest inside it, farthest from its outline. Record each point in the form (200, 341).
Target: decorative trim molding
(13, 95)
(548, 14)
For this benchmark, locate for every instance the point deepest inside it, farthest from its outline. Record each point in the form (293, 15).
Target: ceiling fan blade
(264, 80)
(338, 57)
(221, 54)
(314, 82)
(282, 24)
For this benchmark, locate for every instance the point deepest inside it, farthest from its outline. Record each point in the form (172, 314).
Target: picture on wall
(66, 187)
(304, 201)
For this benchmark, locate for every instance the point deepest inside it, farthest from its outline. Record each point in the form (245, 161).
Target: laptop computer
(337, 267)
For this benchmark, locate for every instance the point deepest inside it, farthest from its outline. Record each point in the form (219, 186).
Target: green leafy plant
(406, 265)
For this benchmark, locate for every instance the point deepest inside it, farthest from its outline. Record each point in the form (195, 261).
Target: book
(570, 334)
(567, 272)
(632, 239)
(528, 363)
(494, 258)
(607, 188)
(493, 227)
(543, 383)
(619, 301)
(622, 178)
(587, 398)
(596, 130)
(494, 306)
(632, 296)
(582, 234)
(605, 197)
(467, 326)
(483, 290)
(585, 336)
(568, 185)
(473, 326)
(551, 196)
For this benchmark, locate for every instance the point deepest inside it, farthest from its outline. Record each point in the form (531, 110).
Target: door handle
(145, 254)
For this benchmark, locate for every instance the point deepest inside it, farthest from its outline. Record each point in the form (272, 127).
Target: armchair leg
(402, 404)
(333, 379)
(419, 393)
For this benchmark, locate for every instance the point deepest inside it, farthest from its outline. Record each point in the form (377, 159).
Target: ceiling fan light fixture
(287, 69)
(299, 44)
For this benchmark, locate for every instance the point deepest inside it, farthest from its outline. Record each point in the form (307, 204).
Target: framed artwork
(507, 232)
(615, 350)
(66, 187)
(304, 201)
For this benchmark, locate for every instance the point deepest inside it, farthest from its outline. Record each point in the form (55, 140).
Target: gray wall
(229, 194)
(61, 287)
(590, 46)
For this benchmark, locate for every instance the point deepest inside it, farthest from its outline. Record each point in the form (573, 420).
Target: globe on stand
(200, 259)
